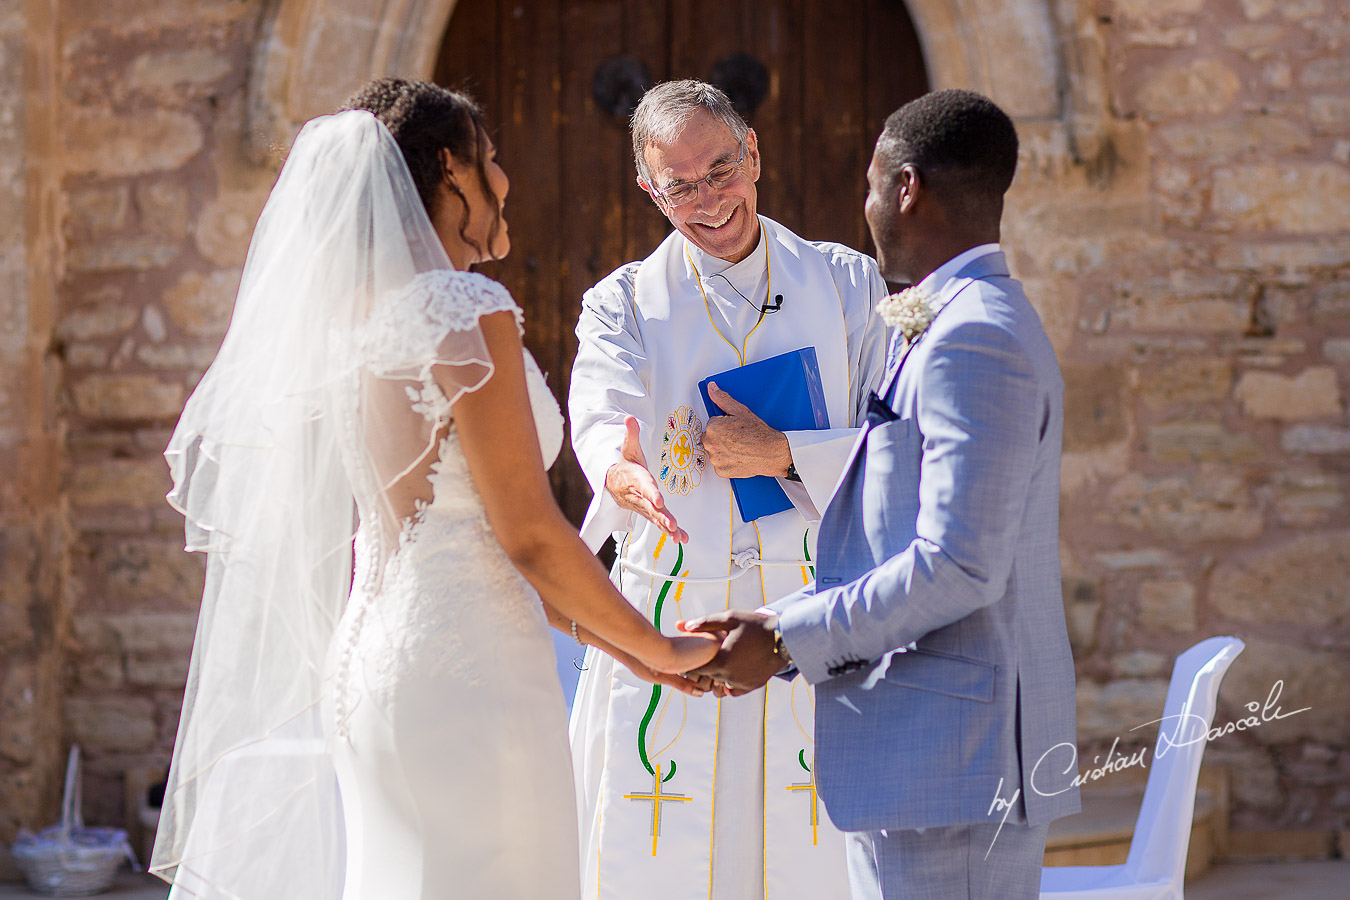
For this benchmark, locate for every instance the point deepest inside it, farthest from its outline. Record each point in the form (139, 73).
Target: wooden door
(830, 70)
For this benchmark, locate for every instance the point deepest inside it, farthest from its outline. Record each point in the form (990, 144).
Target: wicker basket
(70, 860)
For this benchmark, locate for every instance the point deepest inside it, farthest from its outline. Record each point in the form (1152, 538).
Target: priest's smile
(718, 223)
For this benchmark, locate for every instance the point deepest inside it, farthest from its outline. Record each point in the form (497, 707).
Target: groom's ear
(908, 188)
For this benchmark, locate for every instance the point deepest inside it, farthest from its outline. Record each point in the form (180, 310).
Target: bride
(368, 378)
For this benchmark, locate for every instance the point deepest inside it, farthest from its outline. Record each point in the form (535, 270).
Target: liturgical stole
(660, 745)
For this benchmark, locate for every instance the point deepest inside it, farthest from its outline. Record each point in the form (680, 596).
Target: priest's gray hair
(668, 107)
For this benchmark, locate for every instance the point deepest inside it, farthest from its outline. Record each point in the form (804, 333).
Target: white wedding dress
(399, 660)
(446, 719)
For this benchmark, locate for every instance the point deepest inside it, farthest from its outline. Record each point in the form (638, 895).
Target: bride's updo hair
(425, 119)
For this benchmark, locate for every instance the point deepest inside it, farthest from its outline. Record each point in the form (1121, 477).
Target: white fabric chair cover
(1156, 866)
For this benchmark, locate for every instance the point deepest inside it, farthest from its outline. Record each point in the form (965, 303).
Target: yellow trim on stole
(768, 268)
(712, 800)
(764, 842)
(759, 542)
(717, 721)
(600, 821)
(740, 354)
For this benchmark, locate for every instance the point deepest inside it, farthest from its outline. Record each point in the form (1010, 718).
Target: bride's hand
(680, 683)
(685, 653)
(695, 687)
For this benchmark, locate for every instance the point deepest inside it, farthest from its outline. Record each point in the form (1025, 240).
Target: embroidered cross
(810, 786)
(656, 798)
(682, 450)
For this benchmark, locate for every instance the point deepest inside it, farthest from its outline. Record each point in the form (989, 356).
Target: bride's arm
(633, 664)
(497, 433)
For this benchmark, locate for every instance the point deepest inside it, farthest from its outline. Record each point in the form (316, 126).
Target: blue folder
(785, 391)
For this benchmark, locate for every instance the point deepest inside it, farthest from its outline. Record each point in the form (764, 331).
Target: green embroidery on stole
(656, 688)
(806, 551)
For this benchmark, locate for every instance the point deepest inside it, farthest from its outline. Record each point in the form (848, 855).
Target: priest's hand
(634, 488)
(747, 659)
(740, 445)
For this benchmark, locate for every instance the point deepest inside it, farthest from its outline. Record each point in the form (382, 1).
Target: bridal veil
(278, 450)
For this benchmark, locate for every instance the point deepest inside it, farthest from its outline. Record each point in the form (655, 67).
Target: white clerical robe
(694, 798)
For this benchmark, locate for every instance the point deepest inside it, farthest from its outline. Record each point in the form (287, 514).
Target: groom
(935, 630)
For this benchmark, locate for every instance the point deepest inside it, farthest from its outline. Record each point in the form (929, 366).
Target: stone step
(1100, 834)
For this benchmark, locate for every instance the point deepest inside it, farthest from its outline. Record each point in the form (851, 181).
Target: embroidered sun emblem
(682, 456)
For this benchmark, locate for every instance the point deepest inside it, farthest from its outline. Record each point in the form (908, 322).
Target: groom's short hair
(961, 143)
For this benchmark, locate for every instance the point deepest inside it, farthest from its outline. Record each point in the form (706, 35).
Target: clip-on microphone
(770, 306)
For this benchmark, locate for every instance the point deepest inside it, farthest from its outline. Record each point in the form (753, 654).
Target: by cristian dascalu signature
(1190, 729)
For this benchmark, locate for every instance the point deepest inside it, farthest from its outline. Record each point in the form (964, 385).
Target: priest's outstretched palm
(634, 488)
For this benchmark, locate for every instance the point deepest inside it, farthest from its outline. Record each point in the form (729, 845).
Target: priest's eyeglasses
(683, 192)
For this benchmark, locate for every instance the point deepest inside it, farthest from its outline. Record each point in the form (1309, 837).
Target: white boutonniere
(911, 311)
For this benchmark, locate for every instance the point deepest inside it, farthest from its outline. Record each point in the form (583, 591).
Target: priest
(679, 796)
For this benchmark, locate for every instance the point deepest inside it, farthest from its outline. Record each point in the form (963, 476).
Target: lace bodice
(431, 322)
(411, 325)
(447, 578)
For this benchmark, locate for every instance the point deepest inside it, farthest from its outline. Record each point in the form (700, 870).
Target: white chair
(1156, 866)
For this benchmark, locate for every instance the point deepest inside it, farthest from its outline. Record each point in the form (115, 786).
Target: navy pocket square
(878, 411)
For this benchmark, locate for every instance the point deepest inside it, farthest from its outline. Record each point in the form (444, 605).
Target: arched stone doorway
(312, 53)
(575, 213)
(821, 78)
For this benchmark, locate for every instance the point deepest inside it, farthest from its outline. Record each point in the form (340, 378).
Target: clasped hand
(746, 660)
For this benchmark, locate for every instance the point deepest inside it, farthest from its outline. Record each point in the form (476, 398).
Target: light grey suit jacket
(944, 531)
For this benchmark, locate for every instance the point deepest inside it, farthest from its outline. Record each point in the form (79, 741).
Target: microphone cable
(770, 306)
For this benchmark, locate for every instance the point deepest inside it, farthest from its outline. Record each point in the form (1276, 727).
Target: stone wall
(1193, 264)
(32, 529)
(158, 205)
(1180, 223)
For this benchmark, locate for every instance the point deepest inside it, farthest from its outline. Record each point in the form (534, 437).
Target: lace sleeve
(434, 320)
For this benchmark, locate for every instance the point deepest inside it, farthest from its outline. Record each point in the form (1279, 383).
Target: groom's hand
(740, 445)
(633, 487)
(747, 660)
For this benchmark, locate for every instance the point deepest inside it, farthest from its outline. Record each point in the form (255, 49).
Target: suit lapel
(840, 512)
(893, 371)
(991, 265)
